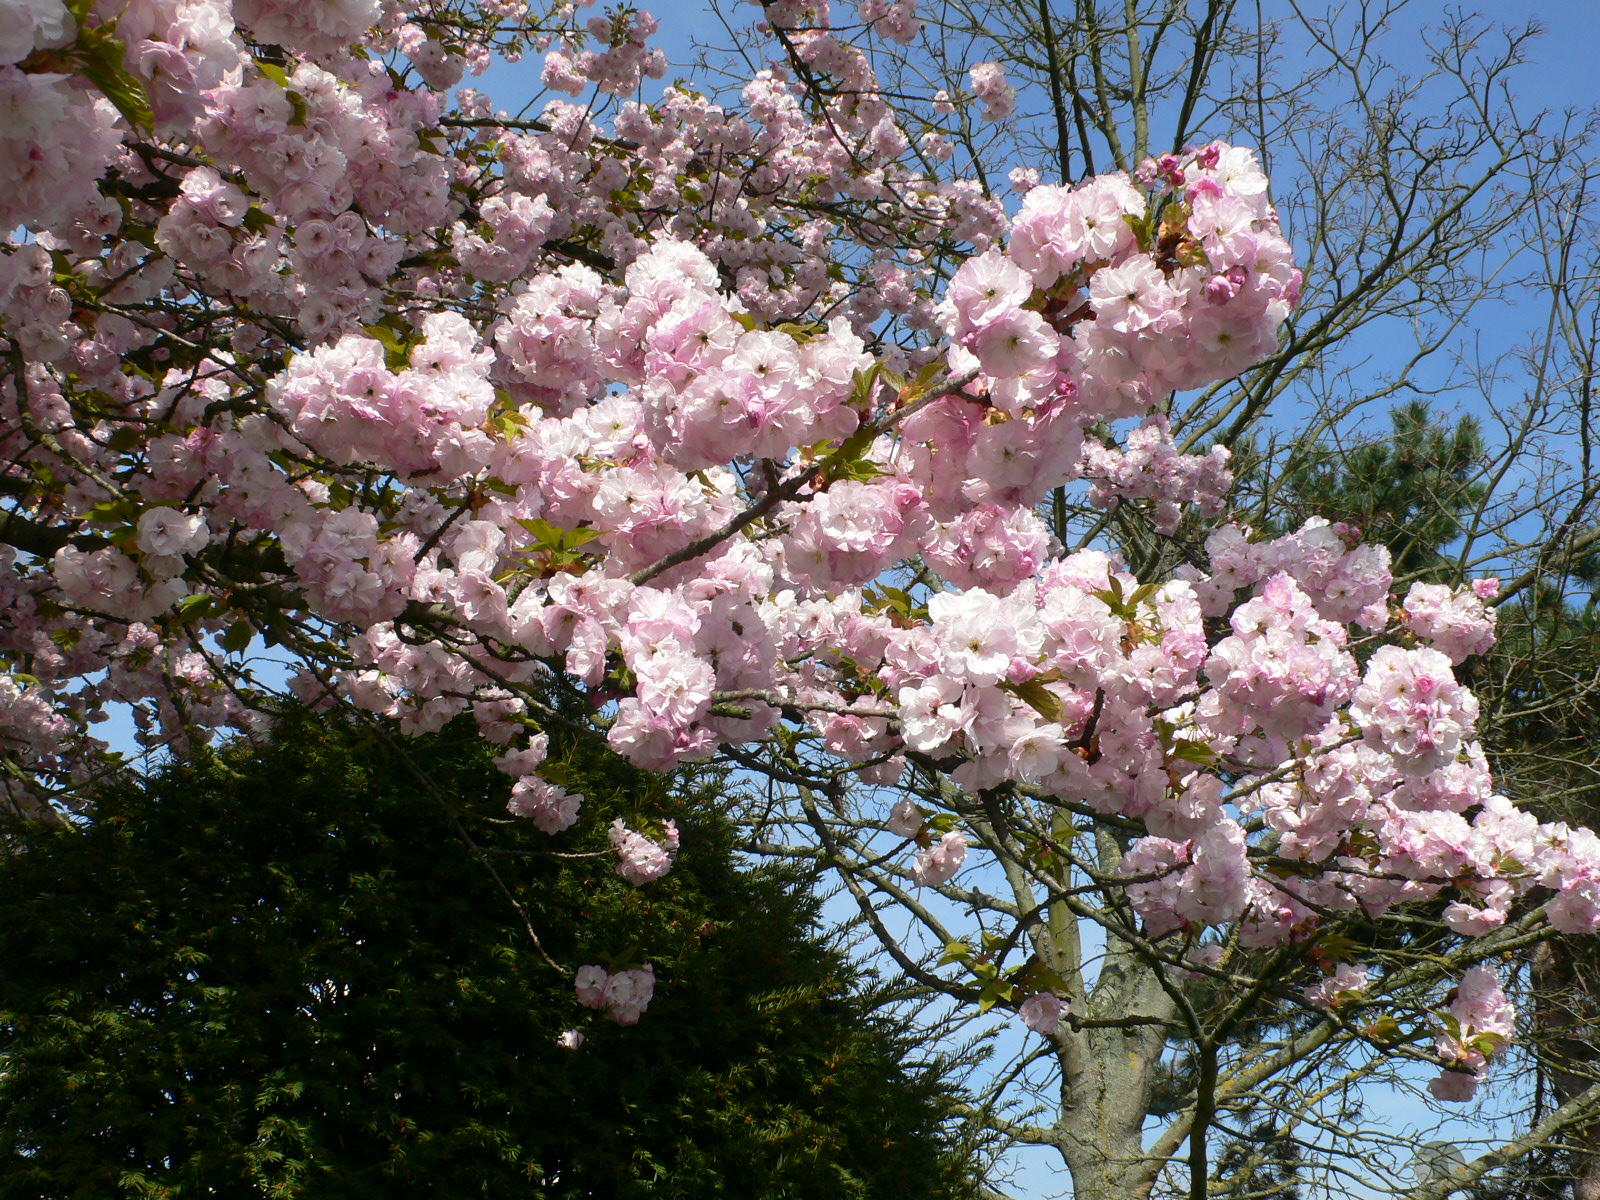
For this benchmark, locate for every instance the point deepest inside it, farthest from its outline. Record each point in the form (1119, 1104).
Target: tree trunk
(1564, 1009)
(1108, 1081)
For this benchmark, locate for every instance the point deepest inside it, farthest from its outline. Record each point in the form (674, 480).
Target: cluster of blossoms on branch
(1479, 1023)
(622, 995)
(461, 410)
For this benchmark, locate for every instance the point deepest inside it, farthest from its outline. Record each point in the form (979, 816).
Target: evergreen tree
(1408, 491)
(290, 971)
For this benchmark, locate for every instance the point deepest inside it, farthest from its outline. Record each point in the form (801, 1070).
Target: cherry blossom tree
(758, 423)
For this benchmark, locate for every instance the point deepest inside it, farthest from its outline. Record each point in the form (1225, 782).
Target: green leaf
(923, 381)
(866, 385)
(1385, 1031)
(1190, 750)
(236, 639)
(114, 512)
(257, 219)
(1338, 947)
(995, 993)
(1143, 593)
(396, 349)
(297, 102)
(849, 460)
(1487, 1044)
(892, 599)
(197, 606)
(274, 72)
(857, 444)
(557, 549)
(957, 951)
(100, 57)
(862, 470)
(900, 600)
(554, 537)
(800, 332)
(1143, 229)
(1292, 870)
(1508, 864)
(1113, 598)
(1362, 842)
(125, 438)
(508, 422)
(1039, 698)
(1037, 977)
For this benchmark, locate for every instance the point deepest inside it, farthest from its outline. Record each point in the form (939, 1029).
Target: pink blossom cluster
(343, 402)
(1226, 277)
(1149, 467)
(1199, 881)
(622, 995)
(549, 806)
(32, 731)
(1283, 670)
(315, 30)
(1572, 869)
(895, 20)
(1410, 705)
(1457, 623)
(56, 138)
(513, 228)
(616, 69)
(1479, 1023)
(1346, 985)
(642, 859)
(33, 25)
(351, 177)
(990, 547)
(178, 51)
(1042, 1011)
(990, 88)
(1349, 584)
(939, 861)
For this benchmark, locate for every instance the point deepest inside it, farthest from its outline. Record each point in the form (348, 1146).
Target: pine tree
(1408, 491)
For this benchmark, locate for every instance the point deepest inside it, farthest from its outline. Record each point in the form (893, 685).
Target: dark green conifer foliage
(289, 972)
(1407, 491)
